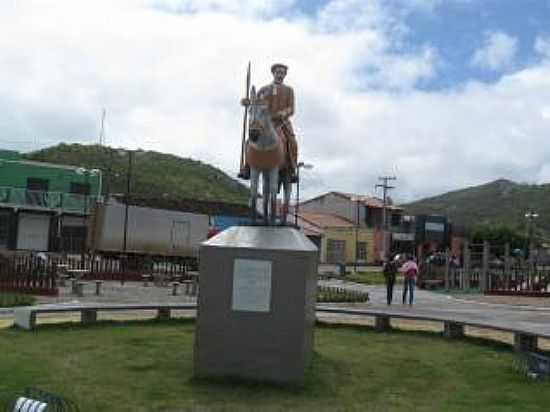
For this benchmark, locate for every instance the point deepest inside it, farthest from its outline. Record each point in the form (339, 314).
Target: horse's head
(260, 128)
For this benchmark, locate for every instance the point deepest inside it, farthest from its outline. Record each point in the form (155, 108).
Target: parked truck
(148, 231)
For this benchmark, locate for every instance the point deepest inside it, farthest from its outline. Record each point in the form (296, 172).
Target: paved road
(532, 319)
(430, 304)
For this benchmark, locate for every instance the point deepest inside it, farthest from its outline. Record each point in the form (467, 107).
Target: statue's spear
(245, 116)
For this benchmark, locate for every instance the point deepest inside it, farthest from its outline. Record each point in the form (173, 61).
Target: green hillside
(154, 174)
(501, 202)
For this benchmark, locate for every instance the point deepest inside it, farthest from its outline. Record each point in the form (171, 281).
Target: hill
(154, 174)
(501, 202)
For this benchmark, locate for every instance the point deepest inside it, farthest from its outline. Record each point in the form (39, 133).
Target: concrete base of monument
(256, 306)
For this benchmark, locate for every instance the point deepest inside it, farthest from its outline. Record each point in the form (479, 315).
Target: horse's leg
(265, 191)
(273, 185)
(254, 178)
(287, 190)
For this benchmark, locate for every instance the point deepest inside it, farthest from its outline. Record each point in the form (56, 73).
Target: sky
(442, 94)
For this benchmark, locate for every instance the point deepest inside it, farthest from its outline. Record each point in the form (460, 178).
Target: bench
(146, 279)
(524, 340)
(191, 287)
(25, 317)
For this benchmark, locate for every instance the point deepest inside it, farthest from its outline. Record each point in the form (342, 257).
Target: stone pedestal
(256, 305)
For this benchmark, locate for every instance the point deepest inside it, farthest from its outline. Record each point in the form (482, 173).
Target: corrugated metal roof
(324, 220)
(369, 201)
(188, 205)
(41, 164)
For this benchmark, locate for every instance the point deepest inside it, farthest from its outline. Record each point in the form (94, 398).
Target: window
(361, 251)
(37, 191)
(336, 251)
(395, 219)
(80, 188)
(73, 239)
(34, 183)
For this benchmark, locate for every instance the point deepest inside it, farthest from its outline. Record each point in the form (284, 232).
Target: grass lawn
(8, 299)
(368, 278)
(147, 366)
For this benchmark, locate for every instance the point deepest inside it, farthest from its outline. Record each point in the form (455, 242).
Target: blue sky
(455, 29)
(441, 93)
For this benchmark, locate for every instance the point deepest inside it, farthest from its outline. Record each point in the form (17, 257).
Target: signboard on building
(403, 237)
(434, 227)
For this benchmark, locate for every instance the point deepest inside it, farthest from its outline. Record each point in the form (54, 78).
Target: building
(339, 240)
(43, 206)
(362, 212)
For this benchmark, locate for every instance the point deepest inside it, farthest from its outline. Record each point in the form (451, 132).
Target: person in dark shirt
(390, 270)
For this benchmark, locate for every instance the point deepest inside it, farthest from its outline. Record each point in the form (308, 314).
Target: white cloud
(241, 7)
(497, 53)
(542, 46)
(171, 81)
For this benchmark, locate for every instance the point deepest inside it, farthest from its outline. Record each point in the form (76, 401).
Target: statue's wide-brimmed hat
(277, 65)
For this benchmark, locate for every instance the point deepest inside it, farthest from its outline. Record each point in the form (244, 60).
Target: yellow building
(339, 240)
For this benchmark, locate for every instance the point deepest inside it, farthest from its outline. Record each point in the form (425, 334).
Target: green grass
(367, 278)
(15, 299)
(147, 366)
(332, 294)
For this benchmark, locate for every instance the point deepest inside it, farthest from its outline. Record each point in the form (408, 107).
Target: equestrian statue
(271, 149)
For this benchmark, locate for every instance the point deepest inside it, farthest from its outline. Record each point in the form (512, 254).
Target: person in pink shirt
(410, 272)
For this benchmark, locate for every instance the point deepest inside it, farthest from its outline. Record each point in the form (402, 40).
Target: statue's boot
(244, 173)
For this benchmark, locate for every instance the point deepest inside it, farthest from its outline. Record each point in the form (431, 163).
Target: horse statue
(267, 154)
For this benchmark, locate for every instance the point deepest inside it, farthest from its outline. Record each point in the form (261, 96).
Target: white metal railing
(50, 200)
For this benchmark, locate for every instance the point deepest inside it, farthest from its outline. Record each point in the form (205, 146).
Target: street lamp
(530, 216)
(87, 173)
(306, 166)
(92, 172)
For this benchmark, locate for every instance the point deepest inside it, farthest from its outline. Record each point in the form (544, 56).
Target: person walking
(390, 270)
(410, 272)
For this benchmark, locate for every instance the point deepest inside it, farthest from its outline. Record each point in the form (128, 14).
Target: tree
(499, 234)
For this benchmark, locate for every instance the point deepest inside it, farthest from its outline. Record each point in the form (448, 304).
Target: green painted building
(44, 206)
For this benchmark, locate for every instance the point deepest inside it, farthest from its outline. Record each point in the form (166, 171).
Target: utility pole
(128, 191)
(385, 187)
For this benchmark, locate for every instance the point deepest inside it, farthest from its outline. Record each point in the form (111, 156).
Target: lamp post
(306, 166)
(87, 173)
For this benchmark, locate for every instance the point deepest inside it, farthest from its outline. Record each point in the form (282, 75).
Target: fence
(492, 270)
(25, 274)
(38, 274)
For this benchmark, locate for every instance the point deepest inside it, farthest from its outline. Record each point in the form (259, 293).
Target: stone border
(25, 316)
(524, 341)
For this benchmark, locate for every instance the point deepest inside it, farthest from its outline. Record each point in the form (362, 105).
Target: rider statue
(280, 101)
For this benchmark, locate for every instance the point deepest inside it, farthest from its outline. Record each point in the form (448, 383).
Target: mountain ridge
(500, 202)
(154, 174)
